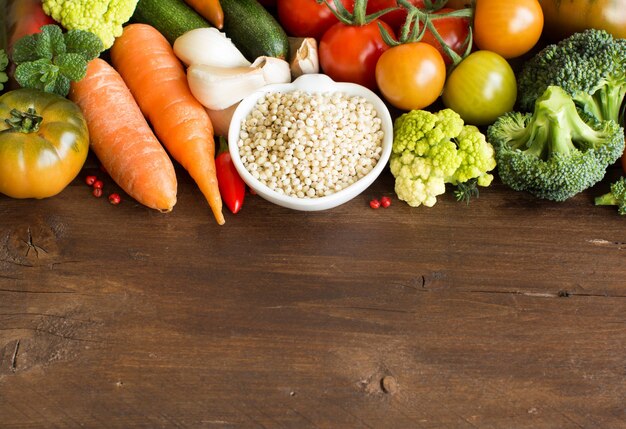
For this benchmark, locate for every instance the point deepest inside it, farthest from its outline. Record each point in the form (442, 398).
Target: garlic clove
(304, 56)
(274, 69)
(208, 46)
(217, 88)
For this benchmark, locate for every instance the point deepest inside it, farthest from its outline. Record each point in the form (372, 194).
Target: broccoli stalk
(557, 151)
(606, 102)
(616, 197)
(555, 128)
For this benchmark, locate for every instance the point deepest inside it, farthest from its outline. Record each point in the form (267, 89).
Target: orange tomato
(411, 76)
(564, 18)
(509, 28)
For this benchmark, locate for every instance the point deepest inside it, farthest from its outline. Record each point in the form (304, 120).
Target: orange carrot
(211, 10)
(156, 78)
(122, 139)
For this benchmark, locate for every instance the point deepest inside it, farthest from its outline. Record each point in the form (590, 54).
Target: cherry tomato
(307, 18)
(411, 76)
(563, 18)
(481, 88)
(396, 18)
(349, 53)
(453, 31)
(509, 28)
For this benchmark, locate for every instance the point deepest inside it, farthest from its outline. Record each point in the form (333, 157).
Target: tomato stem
(24, 122)
(358, 17)
(418, 21)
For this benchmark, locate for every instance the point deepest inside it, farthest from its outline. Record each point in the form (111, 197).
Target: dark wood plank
(509, 312)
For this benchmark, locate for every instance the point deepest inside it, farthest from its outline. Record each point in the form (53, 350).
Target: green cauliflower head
(477, 158)
(101, 17)
(432, 149)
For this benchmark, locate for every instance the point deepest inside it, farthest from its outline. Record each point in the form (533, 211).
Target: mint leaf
(4, 62)
(50, 41)
(25, 49)
(73, 66)
(50, 60)
(40, 74)
(61, 86)
(83, 42)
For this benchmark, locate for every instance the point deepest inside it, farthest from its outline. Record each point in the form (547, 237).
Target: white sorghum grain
(310, 145)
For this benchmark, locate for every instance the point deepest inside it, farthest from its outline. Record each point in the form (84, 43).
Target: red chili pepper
(385, 202)
(375, 204)
(232, 187)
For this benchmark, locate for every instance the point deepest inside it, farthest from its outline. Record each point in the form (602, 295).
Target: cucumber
(171, 17)
(254, 30)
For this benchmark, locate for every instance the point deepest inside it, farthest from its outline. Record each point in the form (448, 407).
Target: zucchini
(254, 30)
(172, 18)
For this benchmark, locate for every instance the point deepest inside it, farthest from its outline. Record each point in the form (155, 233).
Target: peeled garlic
(304, 58)
(218, 88)
(208, 46)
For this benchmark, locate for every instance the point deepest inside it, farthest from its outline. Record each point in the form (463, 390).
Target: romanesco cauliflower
(104, 18)
(432, 149)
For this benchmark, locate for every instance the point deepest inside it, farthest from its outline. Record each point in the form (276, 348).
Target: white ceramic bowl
(311, 83)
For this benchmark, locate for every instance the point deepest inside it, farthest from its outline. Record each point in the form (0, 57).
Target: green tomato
(481, 88)
(44, 142)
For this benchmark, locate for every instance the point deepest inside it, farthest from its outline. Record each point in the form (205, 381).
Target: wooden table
(507, 313)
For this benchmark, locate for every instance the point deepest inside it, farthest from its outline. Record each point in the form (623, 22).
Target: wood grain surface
(507, 313)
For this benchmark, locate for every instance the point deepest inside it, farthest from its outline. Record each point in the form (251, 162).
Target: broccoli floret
(432, 149)
(104, 18)
(616, 197)
(590, 66)
(556, 152)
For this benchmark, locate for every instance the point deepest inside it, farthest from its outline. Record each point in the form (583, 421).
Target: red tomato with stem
(453, 31)
(396, 18)
(307, 18)
(411, 75)
(349, 53)
(509, 28)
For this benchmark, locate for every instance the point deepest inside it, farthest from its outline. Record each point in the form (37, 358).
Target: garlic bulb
(208, 46)
(304, 58)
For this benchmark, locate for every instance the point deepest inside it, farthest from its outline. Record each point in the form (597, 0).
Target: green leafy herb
(50, 60)
(4, 62)
(466, 190)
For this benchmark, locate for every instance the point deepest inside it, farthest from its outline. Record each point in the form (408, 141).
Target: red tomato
(307, 18)
(397, 17)
(509, 28)
(411, 76)
(453, 31)
(349, 53)
(459, 4)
